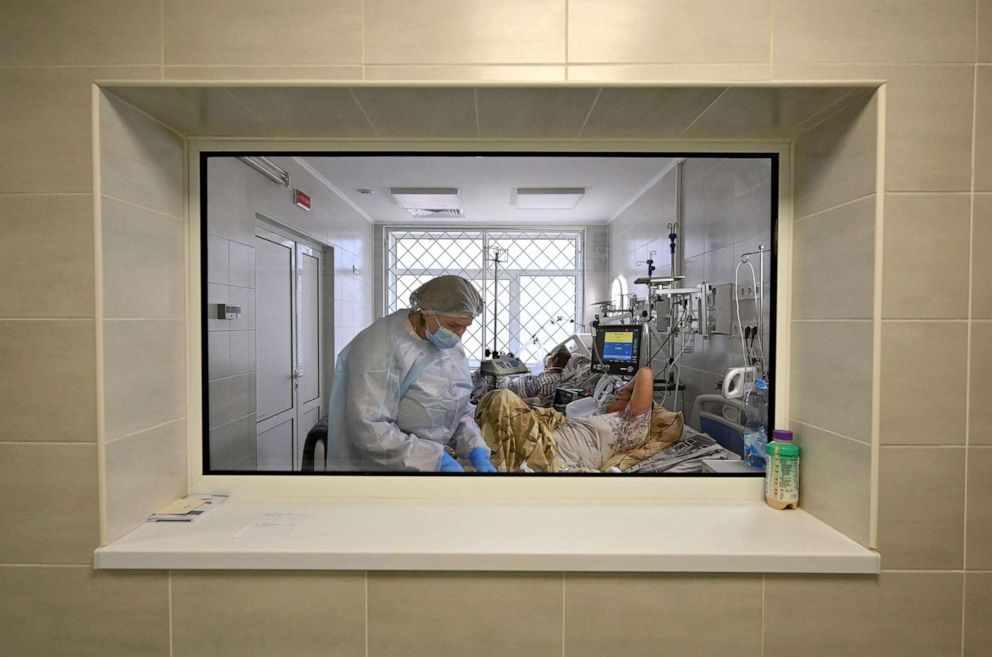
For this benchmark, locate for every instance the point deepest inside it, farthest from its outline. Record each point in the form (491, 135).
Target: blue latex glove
(480, 459)
(449, 464)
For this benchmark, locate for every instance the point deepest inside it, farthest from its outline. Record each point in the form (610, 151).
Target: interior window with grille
(530, 283)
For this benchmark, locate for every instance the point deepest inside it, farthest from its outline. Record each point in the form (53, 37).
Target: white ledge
(669, 536)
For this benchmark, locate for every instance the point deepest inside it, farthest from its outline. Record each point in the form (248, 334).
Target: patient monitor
(617, 349)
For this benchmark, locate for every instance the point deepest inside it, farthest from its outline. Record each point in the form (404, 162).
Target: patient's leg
(636, 395)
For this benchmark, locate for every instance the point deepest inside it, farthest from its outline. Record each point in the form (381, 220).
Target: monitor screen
(618, 345)
(617, 349)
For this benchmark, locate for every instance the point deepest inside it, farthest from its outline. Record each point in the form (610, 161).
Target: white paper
(271, 526)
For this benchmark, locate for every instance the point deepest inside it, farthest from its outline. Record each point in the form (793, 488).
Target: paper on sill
(271, 526)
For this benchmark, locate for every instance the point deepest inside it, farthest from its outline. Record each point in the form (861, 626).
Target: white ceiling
(486, 184)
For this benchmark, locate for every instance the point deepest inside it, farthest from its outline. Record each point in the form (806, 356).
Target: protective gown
(397, 400)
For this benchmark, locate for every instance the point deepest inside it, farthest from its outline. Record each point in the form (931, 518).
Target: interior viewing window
(585, 314)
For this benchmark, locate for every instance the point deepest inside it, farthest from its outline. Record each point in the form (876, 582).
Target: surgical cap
(447, 295)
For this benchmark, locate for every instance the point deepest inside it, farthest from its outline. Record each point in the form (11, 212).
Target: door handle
(297, 374)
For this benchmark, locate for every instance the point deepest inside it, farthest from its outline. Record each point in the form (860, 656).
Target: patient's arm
(636, 395)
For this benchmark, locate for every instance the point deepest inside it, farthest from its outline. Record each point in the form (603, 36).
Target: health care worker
(401, 388)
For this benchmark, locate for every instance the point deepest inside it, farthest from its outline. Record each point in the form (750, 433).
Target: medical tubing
(737, 302)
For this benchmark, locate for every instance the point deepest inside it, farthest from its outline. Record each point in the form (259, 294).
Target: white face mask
(442, 338)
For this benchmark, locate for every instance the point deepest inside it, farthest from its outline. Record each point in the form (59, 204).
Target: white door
(288, 331)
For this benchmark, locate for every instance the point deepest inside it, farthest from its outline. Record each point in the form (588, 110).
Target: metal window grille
(536, 301)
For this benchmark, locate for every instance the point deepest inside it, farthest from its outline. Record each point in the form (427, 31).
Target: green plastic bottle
(782, 471)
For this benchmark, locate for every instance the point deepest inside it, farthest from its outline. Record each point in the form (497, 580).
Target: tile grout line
(563, 614)
(968, 340)
(863, 443)
(764, 601)
(366, 613)
(170, 615)
(878, 274)
(143, 207)
(161, 68)
(844, 204)
(98, 343)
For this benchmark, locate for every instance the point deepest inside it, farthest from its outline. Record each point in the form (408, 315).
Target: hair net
(447, 295)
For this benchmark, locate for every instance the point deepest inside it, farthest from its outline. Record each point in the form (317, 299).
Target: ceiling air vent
(428, 201)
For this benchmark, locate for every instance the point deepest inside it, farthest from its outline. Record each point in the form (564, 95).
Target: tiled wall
(235, 195)
(142, 345)
(934, 597)
(833, 312)
(726, 213)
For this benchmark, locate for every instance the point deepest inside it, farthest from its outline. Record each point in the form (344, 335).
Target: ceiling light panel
(548, 198)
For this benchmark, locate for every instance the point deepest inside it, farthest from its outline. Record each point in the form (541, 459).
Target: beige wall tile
(51, 512)
(144, 379)
(977, 611)
(434, 32)
(539, 113)
(668, 72)
(644, 31)
(145, 472)
(411, 614)
(981, 258)
(831, 376)
(835, 480)
(835, 161)
(920, 231)
(79, 612)
(467, 72)
(660, 112)
(980, 385)
(762, 113)
(262, 72)
(874, 31)
(979, 539)
(143, 261)
(833, 263)
(48, 380)
(985, 31)
(46, 256)
(941, 420)
(243, 32)
(420, 111)
(928, 120)
(45, 132)
(892, 615)
(198, 111)
(648, 614)
(983, 130)
(307, 112)
(49, 32)
(140, 161)
(241, 614)
(921, 507)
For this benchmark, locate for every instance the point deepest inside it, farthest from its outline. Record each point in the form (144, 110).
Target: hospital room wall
(726, 212)
(236, 194)
(934, 596)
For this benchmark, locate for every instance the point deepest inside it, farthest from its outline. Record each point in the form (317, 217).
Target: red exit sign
(302, 199)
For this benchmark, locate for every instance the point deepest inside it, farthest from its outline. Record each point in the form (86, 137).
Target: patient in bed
(543, 440)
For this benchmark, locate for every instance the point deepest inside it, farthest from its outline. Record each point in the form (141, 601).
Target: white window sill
(670, 536)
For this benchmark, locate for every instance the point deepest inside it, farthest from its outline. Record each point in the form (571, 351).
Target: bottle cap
(782, 434)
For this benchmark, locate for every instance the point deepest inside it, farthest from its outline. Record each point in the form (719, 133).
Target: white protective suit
(397, 400)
